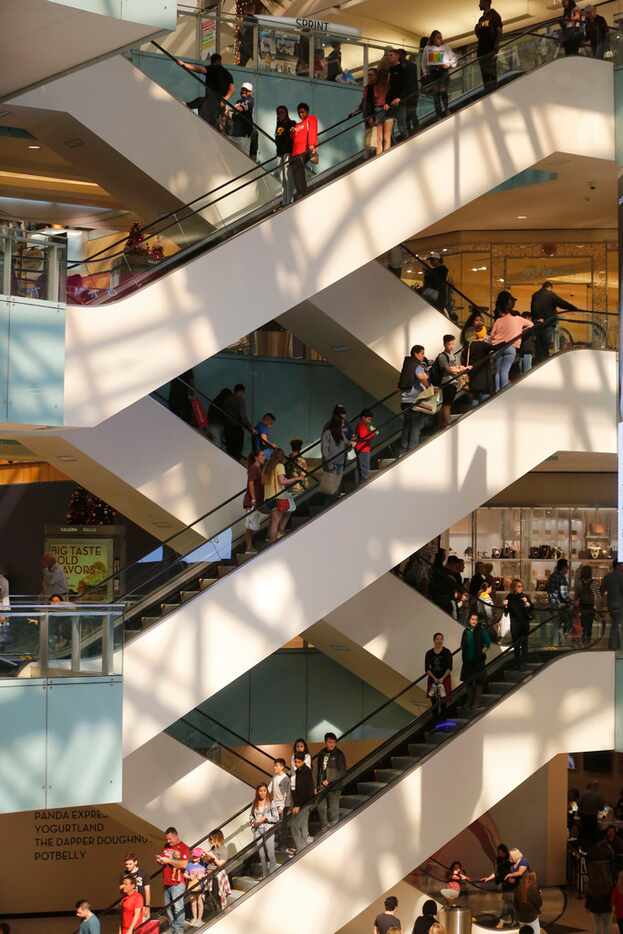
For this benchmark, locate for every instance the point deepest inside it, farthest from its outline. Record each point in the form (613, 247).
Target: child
(195, 875)
(364, 433)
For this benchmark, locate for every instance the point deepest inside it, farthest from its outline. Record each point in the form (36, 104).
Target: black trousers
(489, 70)
(520, 629)
(234, 441)
(299, 178)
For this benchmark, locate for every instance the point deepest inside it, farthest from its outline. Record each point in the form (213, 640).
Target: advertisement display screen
(87, 562)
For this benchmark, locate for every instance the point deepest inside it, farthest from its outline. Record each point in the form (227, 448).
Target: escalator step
(486, 700)
(149, 621)
(352, 801)
(435, 739)
(420, 749)
(403, 762)
(243, 556)
(512, 676)
(243, 883)
(205, 582)
(224, 569)
(499, 687)
(169, 607)
(188, 594)
(370, 788)
(387, 775)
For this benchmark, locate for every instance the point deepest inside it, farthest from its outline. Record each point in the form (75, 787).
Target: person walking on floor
(302, 795)
(387, 920)
(600, 882)
(427, 919)
(264, 819)
(488, 33)
(474, 644)
(521, 612)
(330, 768)
(89, 923)
(543, 310)
(528, 901)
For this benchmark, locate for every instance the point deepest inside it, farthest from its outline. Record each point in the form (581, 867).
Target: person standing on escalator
(219, 87)
(242, 119)
(543, 309)
(304, 148)
(489, 33)
(474, 644)
(435, 285)
(408, 122)
(236, 421)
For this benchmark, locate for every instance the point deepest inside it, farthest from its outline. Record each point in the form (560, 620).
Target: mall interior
(184, 593)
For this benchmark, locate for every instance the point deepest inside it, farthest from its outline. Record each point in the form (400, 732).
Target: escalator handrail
(395, 417)
(244, 739)
(232, 181)
(479, 308)
(219, 742)
(368, 760)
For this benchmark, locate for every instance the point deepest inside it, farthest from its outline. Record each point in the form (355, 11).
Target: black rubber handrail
(395, 418)
(369, 760)
(338, 123)
(233, 752)
(244, 739)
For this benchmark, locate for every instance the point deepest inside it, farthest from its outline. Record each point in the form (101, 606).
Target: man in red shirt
(364, 434)
(174, 858)
(132, 906)
(304, 147)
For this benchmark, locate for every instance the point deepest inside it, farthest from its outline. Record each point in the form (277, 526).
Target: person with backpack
(444, 372)
(413, 380)
(585, 602)
(558, 596)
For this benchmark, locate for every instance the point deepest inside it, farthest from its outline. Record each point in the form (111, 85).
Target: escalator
(189, 606)
(407, 797)
(260, 265)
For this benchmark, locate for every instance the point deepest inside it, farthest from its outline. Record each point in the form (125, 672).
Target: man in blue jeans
(174, 858)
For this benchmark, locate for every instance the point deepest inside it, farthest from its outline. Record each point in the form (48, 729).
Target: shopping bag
(199, 414)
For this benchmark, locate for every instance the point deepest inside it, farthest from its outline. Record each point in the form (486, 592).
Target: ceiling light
(522, 217)
(500, 280)
(34, 147)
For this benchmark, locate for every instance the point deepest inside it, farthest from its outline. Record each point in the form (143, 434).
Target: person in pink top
(507, 327)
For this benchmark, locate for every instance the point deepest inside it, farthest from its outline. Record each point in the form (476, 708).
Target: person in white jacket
(437, 60)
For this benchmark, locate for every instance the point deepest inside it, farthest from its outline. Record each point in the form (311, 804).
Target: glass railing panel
(32, 264)
(62, 639)
(235, 205)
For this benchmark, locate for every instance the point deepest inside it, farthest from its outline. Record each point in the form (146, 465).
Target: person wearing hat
(195, 876)
(242, 119)
(435, 288)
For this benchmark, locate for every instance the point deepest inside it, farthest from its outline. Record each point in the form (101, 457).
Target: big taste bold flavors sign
(91, 556)
(70, 853)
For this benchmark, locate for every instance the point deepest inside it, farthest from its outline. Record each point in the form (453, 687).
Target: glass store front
(526, 542)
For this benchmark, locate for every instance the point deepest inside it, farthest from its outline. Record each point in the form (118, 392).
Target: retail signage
(208, 38)
(91, 556)
(308, 24)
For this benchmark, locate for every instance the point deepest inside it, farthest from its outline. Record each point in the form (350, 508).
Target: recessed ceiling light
(522, 217)
(34, 147)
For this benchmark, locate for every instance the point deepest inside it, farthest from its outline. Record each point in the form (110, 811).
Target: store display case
(527, 542)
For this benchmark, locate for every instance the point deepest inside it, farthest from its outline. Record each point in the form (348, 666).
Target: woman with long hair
(216, 857)
(499, 874)
(521, 612)
(474, 328)
(437, 60)
(333, 445)
(299, 746)
(276, 497)
(373, 107)
(528, 901)
(264, 818)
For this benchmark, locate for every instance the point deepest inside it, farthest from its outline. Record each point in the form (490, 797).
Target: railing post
(107, 645)
(44, 645)
(75, 644)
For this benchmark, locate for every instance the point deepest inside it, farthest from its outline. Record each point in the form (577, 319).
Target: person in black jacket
(521, 611)
(302, 793)
(330, 767)
(219, 87)
(395, 90)
(543, 308)
(283, 145)
(596, 32)
(408, 121)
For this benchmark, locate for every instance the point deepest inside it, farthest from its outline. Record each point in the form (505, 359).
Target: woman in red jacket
(304, 148)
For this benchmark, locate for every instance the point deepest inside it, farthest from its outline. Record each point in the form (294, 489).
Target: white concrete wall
(436, 800)
(394, 623)
(151, 129)
(568, 404)
(366, 323)
(116, 357)
(166, 783)
(148, 464)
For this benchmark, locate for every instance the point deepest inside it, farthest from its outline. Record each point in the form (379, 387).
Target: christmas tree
(87, 509)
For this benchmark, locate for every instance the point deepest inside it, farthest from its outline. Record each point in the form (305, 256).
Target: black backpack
(435, 374)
